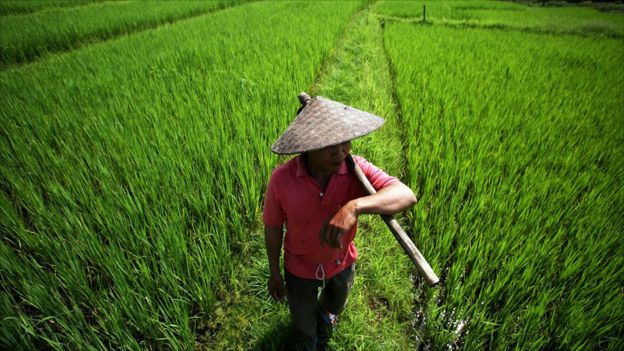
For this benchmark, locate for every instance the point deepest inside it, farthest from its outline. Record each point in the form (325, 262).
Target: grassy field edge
(30, 38)
(379, 313)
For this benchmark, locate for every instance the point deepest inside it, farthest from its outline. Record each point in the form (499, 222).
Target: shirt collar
(303, 171)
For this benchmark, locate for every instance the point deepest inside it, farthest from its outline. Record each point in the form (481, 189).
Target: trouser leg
(303, 304)
(333, 300)
(334, 296)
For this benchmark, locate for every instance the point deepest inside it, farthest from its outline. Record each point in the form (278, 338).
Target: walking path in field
(380, 311)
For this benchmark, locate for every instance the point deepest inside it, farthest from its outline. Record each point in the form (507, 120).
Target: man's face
(329, 159)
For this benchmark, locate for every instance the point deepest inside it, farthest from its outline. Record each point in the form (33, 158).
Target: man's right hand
(277, 289)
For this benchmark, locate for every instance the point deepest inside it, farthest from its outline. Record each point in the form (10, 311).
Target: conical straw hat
(323, 122)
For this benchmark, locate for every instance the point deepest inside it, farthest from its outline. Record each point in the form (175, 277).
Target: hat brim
(322, 123)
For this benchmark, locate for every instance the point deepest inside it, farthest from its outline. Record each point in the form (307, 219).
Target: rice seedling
(20, 7)
(515, 147)
(132, 171)
(25, 38)
(379, 310)
(499, 14)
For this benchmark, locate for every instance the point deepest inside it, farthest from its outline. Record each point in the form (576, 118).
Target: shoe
(299, 341)
(324, 329)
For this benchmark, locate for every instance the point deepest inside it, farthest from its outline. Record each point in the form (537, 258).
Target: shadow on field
(280, 338)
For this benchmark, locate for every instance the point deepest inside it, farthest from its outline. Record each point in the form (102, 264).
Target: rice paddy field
(135, 149)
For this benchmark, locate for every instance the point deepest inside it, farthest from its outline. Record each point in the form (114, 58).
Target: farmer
(318, 199)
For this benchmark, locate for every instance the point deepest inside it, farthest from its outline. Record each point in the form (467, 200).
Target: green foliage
(132, 172)
(20, 7)
(379, 310)
(380, 305)
(25, 38)
(507, 15)
(515, 149)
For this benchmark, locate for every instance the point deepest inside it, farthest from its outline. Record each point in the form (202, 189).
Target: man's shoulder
(361, 161)
(378, 177)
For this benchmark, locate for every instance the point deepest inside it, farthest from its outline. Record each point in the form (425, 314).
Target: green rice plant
(498, 14)
(132, 171)
(380, 304)
(26, 38)
(516, 148)
(20, 7)
(379, 310)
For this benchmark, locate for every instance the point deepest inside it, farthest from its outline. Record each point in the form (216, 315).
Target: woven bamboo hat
(323, 122)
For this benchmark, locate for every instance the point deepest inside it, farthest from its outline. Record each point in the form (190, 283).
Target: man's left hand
(337, 225)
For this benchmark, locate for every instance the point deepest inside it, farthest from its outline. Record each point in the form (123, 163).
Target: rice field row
(516, 150)
(380, 307)
(131, 172)
(21, 7)
(26, 38)
(498, 14)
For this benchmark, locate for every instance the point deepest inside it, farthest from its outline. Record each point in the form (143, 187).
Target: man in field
(318, 198)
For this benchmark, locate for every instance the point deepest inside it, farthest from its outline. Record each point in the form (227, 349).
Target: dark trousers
(304, 302)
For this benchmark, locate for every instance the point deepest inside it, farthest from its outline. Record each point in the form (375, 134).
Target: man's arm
(392, 199)
(389, 200)
(273, 237)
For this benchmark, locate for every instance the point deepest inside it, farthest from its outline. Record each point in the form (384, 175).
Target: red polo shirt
(294, 198)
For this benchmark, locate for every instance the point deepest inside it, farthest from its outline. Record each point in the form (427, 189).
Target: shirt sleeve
(273, 215)
(377, 177)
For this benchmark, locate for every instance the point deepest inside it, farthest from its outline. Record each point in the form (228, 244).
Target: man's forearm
(273, 242)
(392, 199)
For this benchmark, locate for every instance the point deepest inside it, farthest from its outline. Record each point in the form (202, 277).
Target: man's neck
(319, 175)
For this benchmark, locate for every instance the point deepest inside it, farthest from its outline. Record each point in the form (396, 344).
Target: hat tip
(304, 98)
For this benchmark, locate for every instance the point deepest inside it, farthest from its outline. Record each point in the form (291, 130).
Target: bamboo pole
(406, 243)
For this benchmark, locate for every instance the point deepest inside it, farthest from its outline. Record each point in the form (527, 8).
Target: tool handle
(406, 243)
